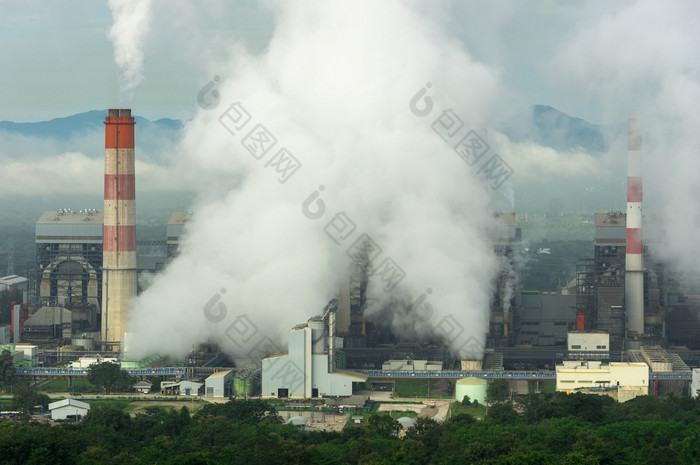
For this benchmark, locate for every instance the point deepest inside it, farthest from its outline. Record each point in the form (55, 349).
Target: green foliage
(110, 377)
(27, 398)
(551, 429)
(7, 369)
(250, 411)
(497, 390)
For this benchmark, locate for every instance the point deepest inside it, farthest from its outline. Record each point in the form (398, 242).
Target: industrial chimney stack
(119, 235)
(634, 271)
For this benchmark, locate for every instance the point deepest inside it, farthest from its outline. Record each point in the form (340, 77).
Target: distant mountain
(80, 124)
(550, 127)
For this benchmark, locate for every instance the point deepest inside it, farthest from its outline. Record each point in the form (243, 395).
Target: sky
(369, 105)
(59, 59)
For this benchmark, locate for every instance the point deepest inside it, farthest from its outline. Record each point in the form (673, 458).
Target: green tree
(497, 390)
(7, 369)
(26, 398)
(250, 411)
(503, 413)
(110, 377)
(383, 426)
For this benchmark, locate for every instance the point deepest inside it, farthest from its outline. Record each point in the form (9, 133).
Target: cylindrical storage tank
(87, 343)
(245, 387)
(318, 336)
(475, 388)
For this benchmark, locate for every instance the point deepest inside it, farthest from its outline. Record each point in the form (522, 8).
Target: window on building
(576, 346)
(601, 347)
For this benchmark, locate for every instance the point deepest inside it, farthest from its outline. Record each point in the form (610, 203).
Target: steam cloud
(333, 88)
(614, 60)
(131, 20)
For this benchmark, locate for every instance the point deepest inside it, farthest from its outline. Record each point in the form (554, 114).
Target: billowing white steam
(614, 60)
(333, 89)
(131, 20)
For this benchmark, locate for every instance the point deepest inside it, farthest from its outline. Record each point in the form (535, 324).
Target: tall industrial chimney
(634, 271)
(119, 236)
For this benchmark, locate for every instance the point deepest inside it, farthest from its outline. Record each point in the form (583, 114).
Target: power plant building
(621, 380)
(69, 257)
(305, 371)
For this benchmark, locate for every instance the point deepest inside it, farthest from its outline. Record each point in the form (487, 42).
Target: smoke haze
(333, 88)
(131, 21)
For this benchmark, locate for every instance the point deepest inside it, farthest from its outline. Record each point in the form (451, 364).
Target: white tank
(475, 388)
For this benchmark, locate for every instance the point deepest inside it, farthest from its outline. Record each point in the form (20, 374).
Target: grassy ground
(413, 387)
(477, 411)
(545, 387)
(76, 384)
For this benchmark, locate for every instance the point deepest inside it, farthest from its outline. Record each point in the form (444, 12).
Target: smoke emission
(614, 59)
(333, 88)
(131, 21)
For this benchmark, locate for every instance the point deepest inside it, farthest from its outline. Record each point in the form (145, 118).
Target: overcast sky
(58, 59)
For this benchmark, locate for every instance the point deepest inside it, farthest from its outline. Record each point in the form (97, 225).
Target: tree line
(536, 429)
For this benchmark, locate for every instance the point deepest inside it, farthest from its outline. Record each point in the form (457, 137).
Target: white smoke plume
(131, 21)
(614, 60)
(334, 88)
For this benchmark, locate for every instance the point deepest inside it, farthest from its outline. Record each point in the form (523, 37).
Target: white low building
(218, 384)
(86, 362)
(588, 345)
(68, 409)
(621, 380)
(304, 371)
(695, 383)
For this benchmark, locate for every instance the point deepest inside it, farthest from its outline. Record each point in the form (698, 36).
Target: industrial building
(68, 410)
(69, 258)
(544, 319)
(307, 368)
(621, 380)
(13, 281)
(588, 345)
(506, 239)
(218, 384)
(174, 232)
(662, 362)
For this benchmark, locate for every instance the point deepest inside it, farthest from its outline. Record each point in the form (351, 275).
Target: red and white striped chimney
(119, 236)
(634, 271)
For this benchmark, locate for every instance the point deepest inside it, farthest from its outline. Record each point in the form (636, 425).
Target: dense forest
(537, 429)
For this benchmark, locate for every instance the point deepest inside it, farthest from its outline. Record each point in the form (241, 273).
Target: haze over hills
(60, 160)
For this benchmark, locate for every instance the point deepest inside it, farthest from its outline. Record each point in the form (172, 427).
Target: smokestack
(119, 238)
(634, 273)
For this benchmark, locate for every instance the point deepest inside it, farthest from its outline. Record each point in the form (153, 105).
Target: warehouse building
(68, 410)
(218, 384)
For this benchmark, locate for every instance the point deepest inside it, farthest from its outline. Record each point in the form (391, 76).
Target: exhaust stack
(634, 271)
(119, 235)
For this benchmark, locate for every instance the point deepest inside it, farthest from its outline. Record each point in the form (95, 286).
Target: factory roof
(68, 216)
(220, 374)
(611, 219)
(179, 218)
(67, 402)
(48, 316)
(12, 280)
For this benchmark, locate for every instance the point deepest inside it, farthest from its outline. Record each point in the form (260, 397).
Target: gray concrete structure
(545, 319)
